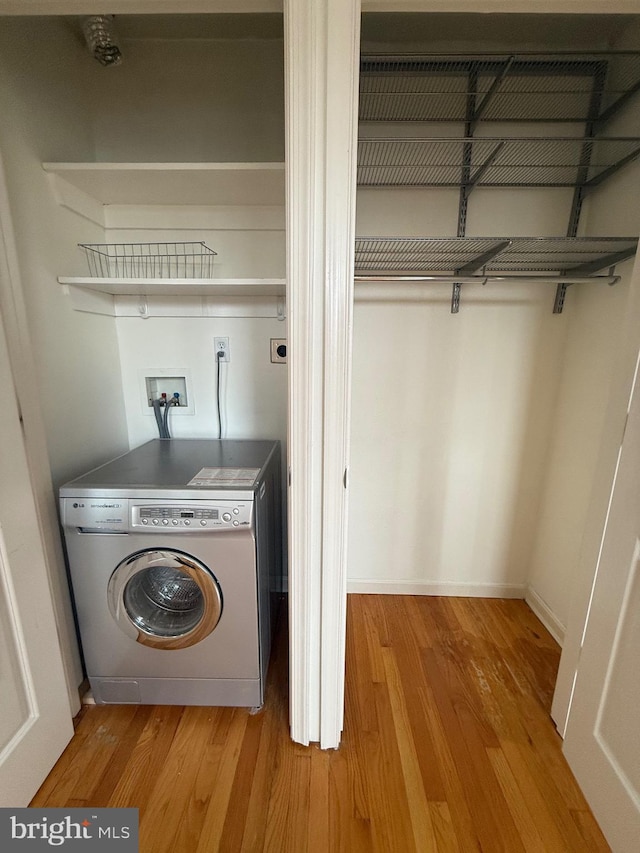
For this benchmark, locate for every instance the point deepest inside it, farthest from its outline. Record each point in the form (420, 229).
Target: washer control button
(236, 523)
(174, 521)
(203, 522)
(186, 522)
(165, 521)
(155, 521)
(145, 521)
(236, 511)
(226, 516)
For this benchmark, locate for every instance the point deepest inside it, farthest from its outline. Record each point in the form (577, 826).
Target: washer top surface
(167, 467)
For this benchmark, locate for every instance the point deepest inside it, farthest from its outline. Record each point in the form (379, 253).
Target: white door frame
(595, 524)
(38, 725)
(322, 45)
(12, 307)
(601, 736)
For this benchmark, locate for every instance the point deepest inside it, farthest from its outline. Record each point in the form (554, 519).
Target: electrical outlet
(221, 345)
(278, 350)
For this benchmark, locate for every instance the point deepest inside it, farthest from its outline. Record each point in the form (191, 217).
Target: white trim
(305, 376)
(14, 312)
(233, 287)
(321, 71)
(624, 376)
(546, 615)
(372, 586)
(343, 38)
(16, 633)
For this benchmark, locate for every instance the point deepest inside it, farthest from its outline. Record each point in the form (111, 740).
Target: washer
(175, 560)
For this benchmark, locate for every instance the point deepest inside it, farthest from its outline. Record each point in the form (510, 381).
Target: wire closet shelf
(480, 258)
(492, 161)
(529, 87)
(526, 87)
(149, 260)
(404, 97)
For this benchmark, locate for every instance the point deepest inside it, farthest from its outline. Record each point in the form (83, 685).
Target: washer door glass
(165, 598)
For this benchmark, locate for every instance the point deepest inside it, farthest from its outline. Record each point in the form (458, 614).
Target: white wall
(254, 391)
(451, 413)
(201, 100)
(596, 324)
(45, 106)
(196, 100)
(596, 318)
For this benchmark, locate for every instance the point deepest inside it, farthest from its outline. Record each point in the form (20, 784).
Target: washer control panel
(190, 516)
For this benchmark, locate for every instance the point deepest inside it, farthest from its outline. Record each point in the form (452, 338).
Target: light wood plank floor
(448, 746)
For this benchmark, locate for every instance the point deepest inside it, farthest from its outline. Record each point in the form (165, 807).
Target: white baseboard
(546, 615)
(452, 588)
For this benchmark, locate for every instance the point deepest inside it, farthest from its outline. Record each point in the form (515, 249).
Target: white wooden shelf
(217, 184)
(89, 189)
(231, 287)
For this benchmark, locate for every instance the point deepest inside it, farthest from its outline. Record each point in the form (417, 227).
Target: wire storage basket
(149, 260)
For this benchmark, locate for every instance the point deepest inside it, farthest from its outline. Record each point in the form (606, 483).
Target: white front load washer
(175, 561)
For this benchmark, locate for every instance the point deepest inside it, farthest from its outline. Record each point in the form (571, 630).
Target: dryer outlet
(278, 350)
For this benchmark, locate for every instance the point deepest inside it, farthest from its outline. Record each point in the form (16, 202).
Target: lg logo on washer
(99, 514)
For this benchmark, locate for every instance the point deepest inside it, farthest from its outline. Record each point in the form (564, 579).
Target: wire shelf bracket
(484, 103)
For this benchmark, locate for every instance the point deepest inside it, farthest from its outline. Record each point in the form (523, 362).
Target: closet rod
(483, 279)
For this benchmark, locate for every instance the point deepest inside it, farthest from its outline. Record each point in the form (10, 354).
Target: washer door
(164, 599)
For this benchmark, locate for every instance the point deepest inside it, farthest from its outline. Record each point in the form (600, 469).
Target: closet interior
(498, 158)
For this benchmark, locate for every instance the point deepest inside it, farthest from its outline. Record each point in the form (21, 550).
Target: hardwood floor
(448, 746)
